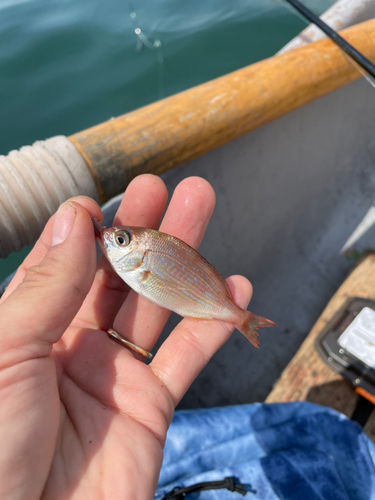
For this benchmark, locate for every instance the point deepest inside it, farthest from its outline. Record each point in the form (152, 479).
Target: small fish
(170, 273)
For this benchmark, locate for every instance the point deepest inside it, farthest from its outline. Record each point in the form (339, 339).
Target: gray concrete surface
(289, 195)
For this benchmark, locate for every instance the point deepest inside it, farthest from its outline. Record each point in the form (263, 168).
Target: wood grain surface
(307, 378)
(175, 130)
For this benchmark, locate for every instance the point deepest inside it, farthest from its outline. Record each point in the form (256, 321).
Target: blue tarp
(292, 451)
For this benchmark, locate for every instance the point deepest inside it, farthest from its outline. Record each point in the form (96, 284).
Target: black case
(337, 358)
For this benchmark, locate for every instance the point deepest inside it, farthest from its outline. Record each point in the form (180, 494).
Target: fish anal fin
(204, 320)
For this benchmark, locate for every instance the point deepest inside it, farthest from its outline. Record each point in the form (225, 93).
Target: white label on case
(358, 338)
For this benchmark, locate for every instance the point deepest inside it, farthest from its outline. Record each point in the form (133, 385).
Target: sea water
(66, 65)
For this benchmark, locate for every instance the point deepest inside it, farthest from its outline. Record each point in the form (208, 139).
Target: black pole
(335, 37)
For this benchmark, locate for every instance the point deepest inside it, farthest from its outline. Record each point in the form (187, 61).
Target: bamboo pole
(178, 129)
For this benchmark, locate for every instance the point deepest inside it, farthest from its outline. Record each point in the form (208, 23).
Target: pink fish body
(170, 273)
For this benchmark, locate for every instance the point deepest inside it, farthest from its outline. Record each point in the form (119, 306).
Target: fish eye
(123, 238)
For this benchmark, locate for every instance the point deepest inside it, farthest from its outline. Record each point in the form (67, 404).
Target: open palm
(81, 416)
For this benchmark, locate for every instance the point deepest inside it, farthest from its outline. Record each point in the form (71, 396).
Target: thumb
(39, 310)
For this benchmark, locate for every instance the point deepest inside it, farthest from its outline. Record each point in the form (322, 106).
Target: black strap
(228, 484)
(362, 411)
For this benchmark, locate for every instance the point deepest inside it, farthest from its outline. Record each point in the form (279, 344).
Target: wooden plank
(178, 129)
(307, 378)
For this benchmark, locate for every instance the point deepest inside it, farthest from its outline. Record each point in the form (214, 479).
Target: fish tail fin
(251, 324)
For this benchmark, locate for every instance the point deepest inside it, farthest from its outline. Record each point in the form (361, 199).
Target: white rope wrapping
(33, 183)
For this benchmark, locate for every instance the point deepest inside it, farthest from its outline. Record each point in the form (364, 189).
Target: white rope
(33, 183)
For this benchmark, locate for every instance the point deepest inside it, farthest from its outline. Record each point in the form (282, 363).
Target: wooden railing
(178, 129)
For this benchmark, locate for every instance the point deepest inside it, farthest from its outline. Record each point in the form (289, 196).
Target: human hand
(82, 417)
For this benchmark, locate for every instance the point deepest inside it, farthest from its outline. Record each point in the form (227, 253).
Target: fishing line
(351, 54)
(370, 79)
(335, 37)
(156, 45)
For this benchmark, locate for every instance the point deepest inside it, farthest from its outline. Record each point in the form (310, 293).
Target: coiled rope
(34, 181)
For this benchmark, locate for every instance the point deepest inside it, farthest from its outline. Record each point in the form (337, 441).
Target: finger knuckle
(38, 275)
(193, 341)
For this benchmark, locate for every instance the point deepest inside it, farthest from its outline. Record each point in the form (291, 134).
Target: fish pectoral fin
(138, 263)
(145, 275)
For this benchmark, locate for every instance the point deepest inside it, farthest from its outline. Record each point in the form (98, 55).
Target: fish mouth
(98, 227)
(98, 231)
